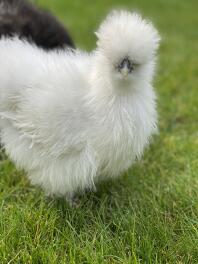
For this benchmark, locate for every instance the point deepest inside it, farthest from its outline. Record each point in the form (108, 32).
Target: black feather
(19, 17)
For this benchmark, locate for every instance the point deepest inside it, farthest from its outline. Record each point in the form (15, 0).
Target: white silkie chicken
(72, 118)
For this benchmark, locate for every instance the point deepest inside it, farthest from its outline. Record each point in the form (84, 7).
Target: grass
(150, 215)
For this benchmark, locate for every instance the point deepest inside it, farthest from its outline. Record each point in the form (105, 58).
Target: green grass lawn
(150, 215)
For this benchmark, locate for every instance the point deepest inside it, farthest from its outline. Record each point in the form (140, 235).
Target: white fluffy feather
(70, 119)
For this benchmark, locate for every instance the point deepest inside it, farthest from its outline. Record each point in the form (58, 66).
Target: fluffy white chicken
(72, 118)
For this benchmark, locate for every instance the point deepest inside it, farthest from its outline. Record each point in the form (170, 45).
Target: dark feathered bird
(21, 18)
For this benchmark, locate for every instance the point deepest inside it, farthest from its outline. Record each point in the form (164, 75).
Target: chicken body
(70, 119)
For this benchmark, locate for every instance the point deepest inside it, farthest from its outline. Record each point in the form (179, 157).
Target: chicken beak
(125, 67)
(125, 71)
